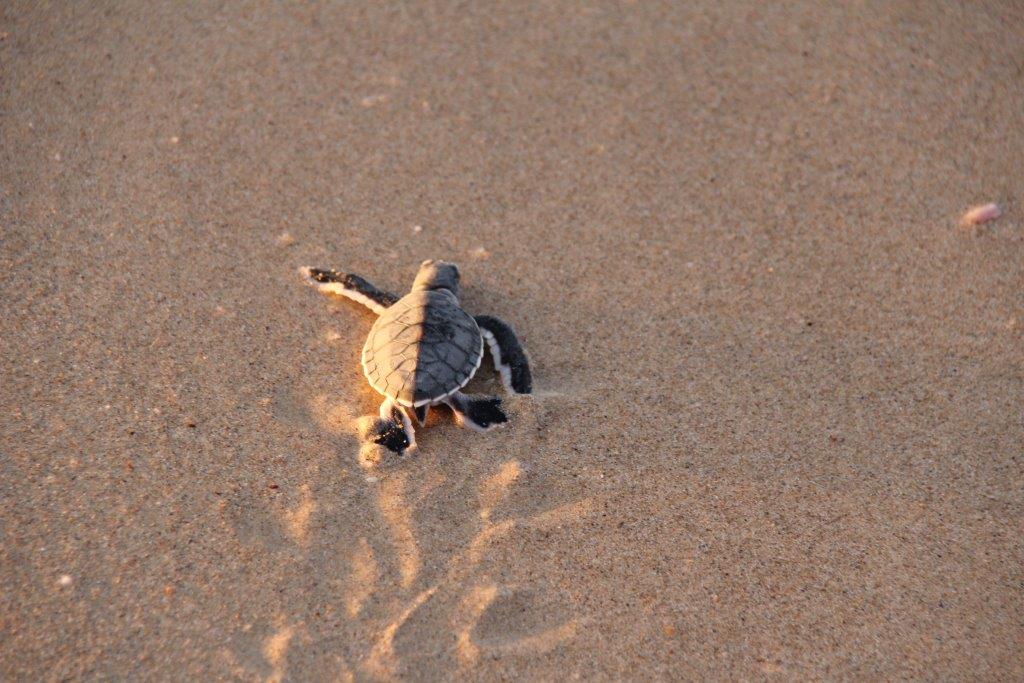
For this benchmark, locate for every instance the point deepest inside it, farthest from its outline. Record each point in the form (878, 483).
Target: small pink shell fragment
(981, 214)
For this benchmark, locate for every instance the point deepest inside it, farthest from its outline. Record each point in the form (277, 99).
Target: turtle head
(437, 275)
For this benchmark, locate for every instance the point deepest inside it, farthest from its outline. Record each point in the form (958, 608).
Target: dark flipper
(480, 413)
(351, 286)
(421, 414)
(509, 357)
(388, 433)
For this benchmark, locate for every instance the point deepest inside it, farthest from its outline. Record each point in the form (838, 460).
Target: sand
(778, 427)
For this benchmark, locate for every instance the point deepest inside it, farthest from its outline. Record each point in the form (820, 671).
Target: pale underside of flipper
(350, 286)
(509, 357)
(479, 413)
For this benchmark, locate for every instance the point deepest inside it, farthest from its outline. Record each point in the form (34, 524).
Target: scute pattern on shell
(422, 348)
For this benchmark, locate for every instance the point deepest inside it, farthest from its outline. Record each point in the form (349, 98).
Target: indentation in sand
(473, 605)
(547, 393)
(521, 625)
(363, 578)
(563, 514)
(397, 513)
(297, 519)
(494, 531)
(331, 416)
(539, 642)
(482, 600)
(769, 666)
(381, 661)
(495, 488)
(275, 651)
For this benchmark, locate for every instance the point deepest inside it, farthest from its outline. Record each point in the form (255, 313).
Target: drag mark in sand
(466, 613)
(363, 579)
(297, 519)
(474, 603)
(473, 606)
(381, 661)
(275, 651)
(392, 503)
(334, 418)
(538, 643)
(495, 488)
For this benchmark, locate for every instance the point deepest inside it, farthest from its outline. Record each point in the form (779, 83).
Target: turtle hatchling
(423, 349)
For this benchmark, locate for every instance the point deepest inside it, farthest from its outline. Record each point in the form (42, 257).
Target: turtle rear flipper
(421, 414)
(509, 358)
(350, 286)
(479, 413)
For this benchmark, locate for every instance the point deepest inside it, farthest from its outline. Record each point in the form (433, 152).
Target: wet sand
(778, 427)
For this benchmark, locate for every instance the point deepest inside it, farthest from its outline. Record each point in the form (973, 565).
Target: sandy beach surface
(777, 430)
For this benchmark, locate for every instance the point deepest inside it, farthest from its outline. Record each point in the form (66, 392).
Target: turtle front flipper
(396, 415)
(479, 413)
(386, 433)
(509, 358)
(392, 429)
(349, 286)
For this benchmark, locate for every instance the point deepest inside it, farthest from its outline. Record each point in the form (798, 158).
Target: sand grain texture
(778, 427)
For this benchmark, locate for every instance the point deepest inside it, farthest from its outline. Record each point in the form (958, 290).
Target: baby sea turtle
(424, 348)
